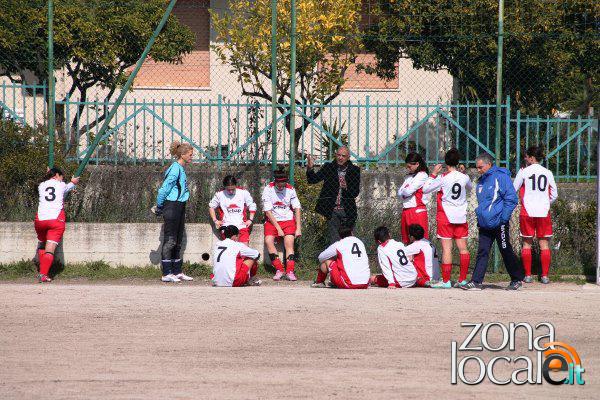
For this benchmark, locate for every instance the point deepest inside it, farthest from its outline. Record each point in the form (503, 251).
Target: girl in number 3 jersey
(50, 218)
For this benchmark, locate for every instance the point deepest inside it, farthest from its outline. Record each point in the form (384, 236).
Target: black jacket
(329, 174)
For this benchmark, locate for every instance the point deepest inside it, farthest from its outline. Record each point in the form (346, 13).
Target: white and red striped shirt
(452, 202)
(281, 203)
(537, 190)
(396, 264)
(233, 208)
(51, 198)
(351, 256)
(411, 191)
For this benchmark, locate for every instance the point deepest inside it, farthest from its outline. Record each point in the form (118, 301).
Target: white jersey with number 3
(351, 253)
(395, 264)
(51, 198)
(225, 257)
(453, 188)
(537, 190)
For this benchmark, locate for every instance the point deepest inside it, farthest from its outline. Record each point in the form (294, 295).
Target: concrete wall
(132, 245)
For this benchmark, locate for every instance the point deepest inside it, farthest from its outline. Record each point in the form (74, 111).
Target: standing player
(414, 201)
(395, 262)
(50, 218)
(347, 262)
(235, 264)
(453, 187)
(233, 204)
(425, 256)
(537, 190)
(282, 210)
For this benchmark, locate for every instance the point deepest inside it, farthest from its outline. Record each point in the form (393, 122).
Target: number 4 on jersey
(356, 250)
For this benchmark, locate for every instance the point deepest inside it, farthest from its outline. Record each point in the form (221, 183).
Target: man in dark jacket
(496, 199)
(340, 188)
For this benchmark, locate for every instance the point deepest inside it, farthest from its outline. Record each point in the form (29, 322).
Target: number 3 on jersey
(51, 193)
(356, 250)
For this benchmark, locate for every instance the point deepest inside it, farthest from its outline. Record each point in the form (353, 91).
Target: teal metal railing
(377, 132)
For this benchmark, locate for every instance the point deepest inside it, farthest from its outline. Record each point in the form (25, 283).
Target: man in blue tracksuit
(496, 199)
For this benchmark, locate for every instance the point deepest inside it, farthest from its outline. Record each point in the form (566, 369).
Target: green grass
(101, 271)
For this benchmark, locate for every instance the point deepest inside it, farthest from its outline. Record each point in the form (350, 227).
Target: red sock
(277, 264)
(253, 270)
(40, 254)
(290, 265)
(446, 272)
(465, 260)
(545, 256)
(46, 263)
(321, 276)
(526, 258)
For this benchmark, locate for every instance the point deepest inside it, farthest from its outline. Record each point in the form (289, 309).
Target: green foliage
(551, 48)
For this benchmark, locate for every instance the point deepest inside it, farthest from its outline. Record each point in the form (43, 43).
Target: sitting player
(235, 264)
(395, 263)
(347, 262)
(425, 256)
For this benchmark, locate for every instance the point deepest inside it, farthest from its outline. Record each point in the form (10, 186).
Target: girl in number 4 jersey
(50, 218)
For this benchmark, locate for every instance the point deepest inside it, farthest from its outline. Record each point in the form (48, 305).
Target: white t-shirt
(51, 198)
(281, 203)
(453, 189)
(395, 264)
(429, 252)
(537, 190)
(225, 256)
(233, 208)
(411, 191)
(350, 252)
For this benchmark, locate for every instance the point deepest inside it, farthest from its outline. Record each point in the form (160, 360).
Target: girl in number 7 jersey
(50, 218)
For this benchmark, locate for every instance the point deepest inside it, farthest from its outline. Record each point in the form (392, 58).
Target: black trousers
(338, 219)
(174, 216)
(486, 240)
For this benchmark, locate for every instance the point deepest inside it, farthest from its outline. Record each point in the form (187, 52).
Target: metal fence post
(51, 92)
(219, 126)
(293, 91)
(273, 86)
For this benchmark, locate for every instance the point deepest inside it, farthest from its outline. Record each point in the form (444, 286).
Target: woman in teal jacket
(172, 197)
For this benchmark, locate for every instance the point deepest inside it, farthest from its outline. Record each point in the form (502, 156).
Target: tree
(551, 49)
(96, 41)
(327, 44)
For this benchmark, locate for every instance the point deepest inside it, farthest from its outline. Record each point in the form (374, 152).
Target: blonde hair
(178, 149)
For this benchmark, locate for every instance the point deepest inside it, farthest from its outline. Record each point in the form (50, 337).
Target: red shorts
(540, 227)
(288, 228)
(243, 273)
(51, 229)
(340, 278)
(414, 215)
(447, 230)
(243, 237)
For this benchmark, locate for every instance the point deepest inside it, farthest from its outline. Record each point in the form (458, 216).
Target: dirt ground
(74, 340)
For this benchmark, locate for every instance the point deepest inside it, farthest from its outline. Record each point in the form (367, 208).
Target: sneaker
(528, 279)
(170, 278)
(428, 284)
(545, 280)
(320, 285)
(472, 286)
(278, 275)
(291, 276)
(44, 278)
(442, 285)
(460, 284)
(254, 282)
(514, 285)
(184, 277)
(331, 285)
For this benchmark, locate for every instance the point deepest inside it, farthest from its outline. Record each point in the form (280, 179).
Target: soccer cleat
(254, 282)
(514, 285)
(331, 285)
(170, 278)
(291, 276)
(320, 285)
(427, 284)
(472, 286)
(278, 275)
(545, 280)
(184, 277)
(528, 279)
(442, 285)
(44, 278)
(460, 284)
